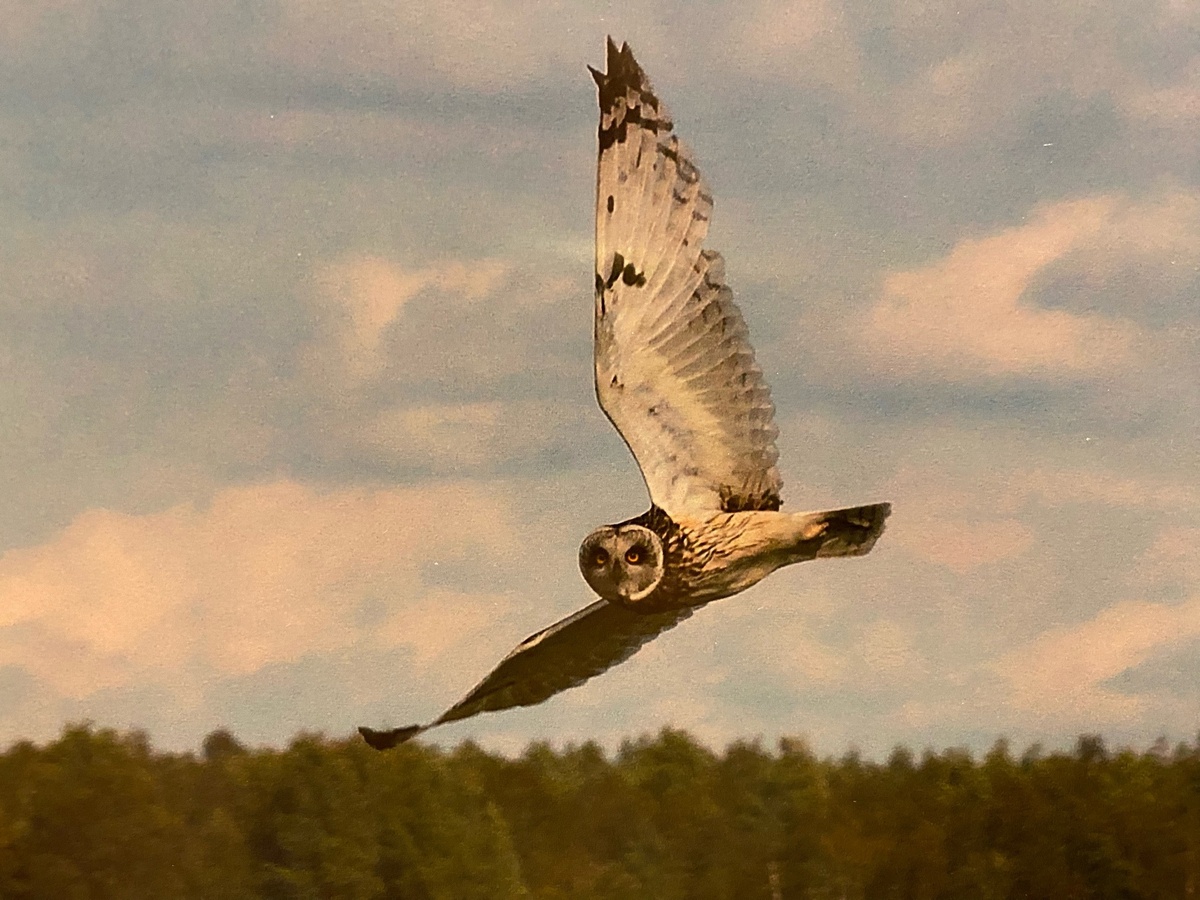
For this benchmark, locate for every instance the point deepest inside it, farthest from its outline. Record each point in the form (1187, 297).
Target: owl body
(704, 557)
(676, 375)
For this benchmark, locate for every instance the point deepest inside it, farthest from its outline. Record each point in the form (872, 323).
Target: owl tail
(842, 532)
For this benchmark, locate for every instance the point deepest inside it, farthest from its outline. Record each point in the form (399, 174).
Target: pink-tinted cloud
(794, 40)
(964, 316)
(970, 315)
(952, 514)
(962, 545)
(889, 652)
(1058, 487)
(1061, 674)
(480, 45)
(963, 75)
(1173, 557)
(367, 294)
(260, 575)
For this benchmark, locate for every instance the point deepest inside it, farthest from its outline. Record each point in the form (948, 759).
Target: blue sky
(295, 317)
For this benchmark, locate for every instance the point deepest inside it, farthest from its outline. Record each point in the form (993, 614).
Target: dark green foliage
(98, 815)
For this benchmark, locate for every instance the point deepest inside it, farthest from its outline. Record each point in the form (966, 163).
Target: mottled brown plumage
(677, 377)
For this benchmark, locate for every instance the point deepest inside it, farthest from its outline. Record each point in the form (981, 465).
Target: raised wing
(675, 371)
(562, 656)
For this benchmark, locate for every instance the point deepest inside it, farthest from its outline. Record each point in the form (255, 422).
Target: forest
(101, 814)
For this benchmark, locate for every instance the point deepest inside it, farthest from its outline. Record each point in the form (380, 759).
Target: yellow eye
(633, 555)
(600, 558)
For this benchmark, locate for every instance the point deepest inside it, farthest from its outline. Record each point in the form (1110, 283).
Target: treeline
(99, 814)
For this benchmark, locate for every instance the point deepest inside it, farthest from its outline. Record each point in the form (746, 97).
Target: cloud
(368, 292)
(442, 621)
(259, 576)
(888, 650)
(1174, 555)
(371, 291)
(483, 46)
(1175, 106)
(460, 365)
(783, 644)
(942, 73)
(257, 244)
(964, 317)
(799, 40)
(962, 545)
(957, 510)
(455, 435)
(1113, 489)
(1061, 673)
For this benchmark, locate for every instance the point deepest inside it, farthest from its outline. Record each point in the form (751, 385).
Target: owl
(676, 375)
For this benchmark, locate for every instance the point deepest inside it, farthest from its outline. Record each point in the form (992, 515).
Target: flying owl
(676, 375)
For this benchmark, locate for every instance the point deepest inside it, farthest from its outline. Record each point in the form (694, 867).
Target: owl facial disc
(623, 564)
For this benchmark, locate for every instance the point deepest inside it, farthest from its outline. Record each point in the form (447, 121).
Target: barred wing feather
(675, 372)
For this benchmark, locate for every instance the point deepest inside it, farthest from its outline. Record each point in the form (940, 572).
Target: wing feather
(562, 656)
(675, 372)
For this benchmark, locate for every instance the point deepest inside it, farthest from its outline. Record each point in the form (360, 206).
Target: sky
(295, 324)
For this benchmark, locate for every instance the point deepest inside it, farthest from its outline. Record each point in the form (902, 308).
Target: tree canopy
(100, 814)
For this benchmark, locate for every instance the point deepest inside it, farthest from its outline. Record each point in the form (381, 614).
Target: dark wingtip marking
(632, 276)
(386, 740)
(611, 203)
(624, 76)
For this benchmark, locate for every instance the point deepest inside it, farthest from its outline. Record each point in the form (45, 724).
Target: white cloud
(442, 621)
(369, 292)
(1174, 556)
(260, 575)
(448, 434)
(887, 648)
(962, 545)
(963, 317)
(1054, 487)
(1060, 674)
(799, 40)
(480, 45)
(971, 315)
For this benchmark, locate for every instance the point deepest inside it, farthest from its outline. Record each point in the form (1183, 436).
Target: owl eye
(633, 555)
(600, 558)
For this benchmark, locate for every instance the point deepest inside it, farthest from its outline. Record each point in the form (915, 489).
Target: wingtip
(610, 48)
(386, 740)
(621, 67)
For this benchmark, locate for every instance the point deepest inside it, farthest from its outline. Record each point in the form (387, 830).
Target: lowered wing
(562, 656)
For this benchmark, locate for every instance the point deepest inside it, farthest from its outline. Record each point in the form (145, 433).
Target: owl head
(622, 563)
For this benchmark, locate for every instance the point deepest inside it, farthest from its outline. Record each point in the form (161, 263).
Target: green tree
(86, 817)
(309, 826)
